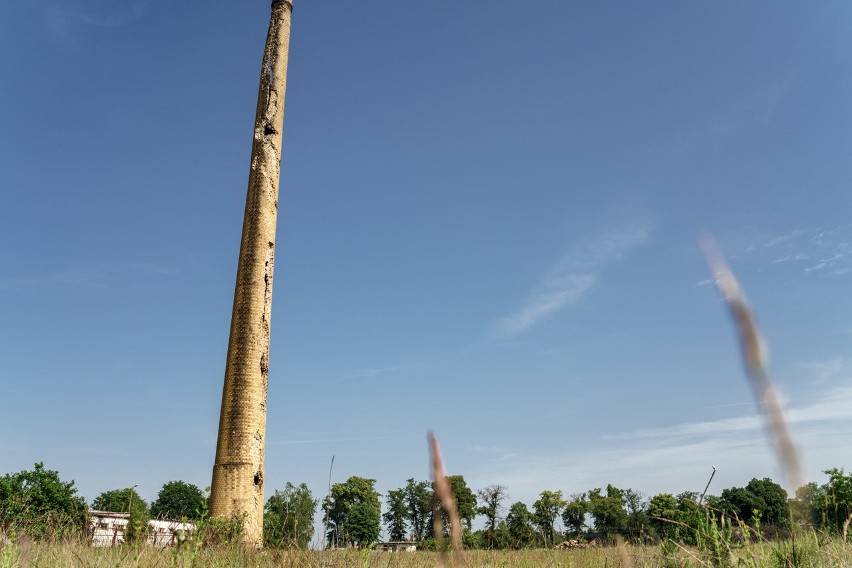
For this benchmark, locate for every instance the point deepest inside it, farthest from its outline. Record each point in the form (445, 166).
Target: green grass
(812, 551)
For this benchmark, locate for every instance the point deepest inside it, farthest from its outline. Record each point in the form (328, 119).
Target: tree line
(39, 503)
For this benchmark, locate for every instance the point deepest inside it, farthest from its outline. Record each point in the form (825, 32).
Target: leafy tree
(608, 510)
(664, 515)
(354, 513)
(502, 537)
(124, 501)
(679, 518)
(834, 504)
(776, 512)
(689, 509)
(638, 526)
(288, 520)
(762, 500)
(473, 540)
(119, 501)
(363, 524)
(805, 506)
(519, 525)
(40, 504)
(397, 514)
(418, 498)
(178, 500)
(546, 510)
(491, 499)
(574, 514)
(465, 503)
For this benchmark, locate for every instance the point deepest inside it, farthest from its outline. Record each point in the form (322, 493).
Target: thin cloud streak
(816, 251)
(676, 458)
(547, 301)
(61, 17)
(571, 278)
(836, 405)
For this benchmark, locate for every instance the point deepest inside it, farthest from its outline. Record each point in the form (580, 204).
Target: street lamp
(130, 501)
(130, 512)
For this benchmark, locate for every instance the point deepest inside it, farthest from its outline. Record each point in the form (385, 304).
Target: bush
(39, 504)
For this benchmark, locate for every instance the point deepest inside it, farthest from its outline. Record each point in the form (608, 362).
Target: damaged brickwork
(237, 487)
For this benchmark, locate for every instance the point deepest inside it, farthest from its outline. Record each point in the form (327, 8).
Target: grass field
(812, 551)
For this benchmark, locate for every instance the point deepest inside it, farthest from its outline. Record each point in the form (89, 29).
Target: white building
(108, 529)
(168, 533)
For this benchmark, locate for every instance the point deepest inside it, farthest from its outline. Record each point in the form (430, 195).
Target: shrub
(39, 504)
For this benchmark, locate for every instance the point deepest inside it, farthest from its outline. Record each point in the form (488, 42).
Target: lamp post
(130, 512)
(130, 500)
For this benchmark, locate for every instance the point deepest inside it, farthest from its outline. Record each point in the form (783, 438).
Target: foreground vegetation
(42, 523)
(812, 551)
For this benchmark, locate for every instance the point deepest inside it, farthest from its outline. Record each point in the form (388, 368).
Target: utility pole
(237, 488)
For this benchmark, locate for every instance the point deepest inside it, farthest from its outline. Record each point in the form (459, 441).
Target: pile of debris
(571, 544)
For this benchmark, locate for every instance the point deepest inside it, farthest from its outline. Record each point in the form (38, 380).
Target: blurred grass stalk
(445, 495)
(754, 359)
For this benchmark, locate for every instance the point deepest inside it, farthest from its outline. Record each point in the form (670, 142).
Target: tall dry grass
(445, 495)
(756, 366)
(815, 553)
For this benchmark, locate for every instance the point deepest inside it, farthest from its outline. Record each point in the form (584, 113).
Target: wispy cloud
(60, 17)
(549, 298)
(834, 404)
(571, 278)
(756, 107)
(826, 370)
(678, 457)
(818, 251)
(496, 452)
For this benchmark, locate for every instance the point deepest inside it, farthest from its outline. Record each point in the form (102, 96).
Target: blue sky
(488, 227)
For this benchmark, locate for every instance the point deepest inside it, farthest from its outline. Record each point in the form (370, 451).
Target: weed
(9, 551)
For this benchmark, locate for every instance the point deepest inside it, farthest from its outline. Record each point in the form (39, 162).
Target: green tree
(473, 540)
(503, 538)
(418, 498)
(774, 496)
(465, 503)
(354, 513)
(638, 526)
(805, 506)
(519, 525)
(664, 515)
(835, 499)
(178, 500)
(545, 512)
(363, 524)
(574, 514)
(288, 520)
(124, 501)
(491, 500)
(608, 510)
(680, 518)
(762, 500)
(693, 515)
(397, 514)
(39, 504)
